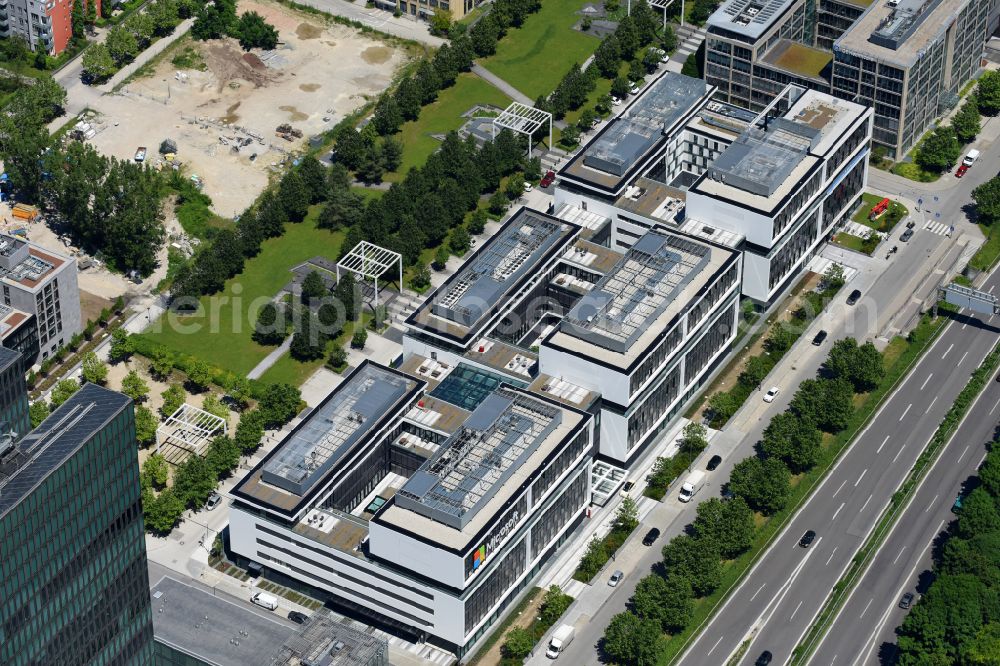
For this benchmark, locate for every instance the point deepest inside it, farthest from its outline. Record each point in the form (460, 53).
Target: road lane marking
(837, 511)
(933, 502)
(758, 591)
(841, 486)
(963, 454)
(995, 406)
(888, 436)
(964, 325)
(991, 289)
(866, 503)
(947, 350)
(861, 477)
(831, 557)
(795, 611)
(905, 411)
(714, 646)
(962, 360)
(927, 411)
(898, 452)
(866, 608)
(900, 554)
(926, 380)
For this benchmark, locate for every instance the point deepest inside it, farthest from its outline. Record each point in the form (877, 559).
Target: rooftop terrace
(805, 61)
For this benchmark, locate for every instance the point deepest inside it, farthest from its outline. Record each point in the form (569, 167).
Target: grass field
(987, 255)
(220, 331)
(535, 57)
(850, 241)
(442, 116)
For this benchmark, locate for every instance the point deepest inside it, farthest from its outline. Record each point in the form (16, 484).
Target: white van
(264, 600)
(971, 158)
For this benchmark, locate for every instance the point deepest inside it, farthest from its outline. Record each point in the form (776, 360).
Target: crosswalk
(939, 228)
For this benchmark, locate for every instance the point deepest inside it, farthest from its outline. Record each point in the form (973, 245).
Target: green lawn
(987, 255)
(220, 331)
(535, 57)
(289, 371)
(442, 116)
(884, 222)
(849, 241)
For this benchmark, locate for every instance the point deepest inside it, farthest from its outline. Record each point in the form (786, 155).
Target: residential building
(425, 8)
(74, 584)
(907, 59)
(42, 283)
(44, 25)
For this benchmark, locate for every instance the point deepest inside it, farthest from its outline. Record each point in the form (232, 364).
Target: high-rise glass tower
(74, 585)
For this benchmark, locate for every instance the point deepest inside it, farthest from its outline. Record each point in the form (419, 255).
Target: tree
(690, 67)
(134, 386)
(668, 601)
(554, 604)
(93, 369)
(338, 357)
(314, 177)
(256, 33)
(294, 196)
(754, 372)
(459, 241)
(497, 203)
(650, 60)
(268, 330)
(570, 136)
(161, 363)
(764, 484)
(145, 425)
(359, 338)
(631, 640)
(695, 558)
(826, 402)
(780, 340)
(157, 470)
(346, 292)
(193, 481)
(214, 406)
(249, 431)
(440, 22)
(978, 514)
(391, 153)
(387, 117)
(987, 198)
(173, 397)
(988, 93)
(668, 40)
(76, 20)
(729, 523)
(518, 643)
(122, 45)
(792, 439)
(240, 391)
(222, 456)
(313, 287)
(694, 438)
(862, 366)
(20, 153)
(163, 513)
(63, 391)
(199, 374)
(121, 345)
(948, 616)
(477, 223)
(620, 87)
(627, 515)
(343, 209)
(38, 412)
(308, 342)
(515, 187)
(966, 121)
(939, 151)
(279, 404)
(984, 648)
(989, 472)
(213, 21)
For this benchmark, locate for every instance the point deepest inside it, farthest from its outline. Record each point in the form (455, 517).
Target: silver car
(616, 578)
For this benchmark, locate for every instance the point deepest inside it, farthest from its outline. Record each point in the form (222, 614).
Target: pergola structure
(189, 429)
(523, 119)
(661, 4)
(370, 262)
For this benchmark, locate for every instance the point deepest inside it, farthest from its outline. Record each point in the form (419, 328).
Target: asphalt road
(780, 596)
(864, 631)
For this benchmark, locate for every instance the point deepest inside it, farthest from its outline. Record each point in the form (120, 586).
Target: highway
(864, 631)
(778, 599)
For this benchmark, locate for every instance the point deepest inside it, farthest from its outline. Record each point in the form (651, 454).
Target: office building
(44, 284)
(14, 416)
(44, 25)
(907, 59)
(74, 585)
(19, 331)
(425, 9)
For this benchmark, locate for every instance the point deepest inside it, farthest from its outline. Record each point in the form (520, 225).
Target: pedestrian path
(689, 39)
(939, 228)
(820, 264)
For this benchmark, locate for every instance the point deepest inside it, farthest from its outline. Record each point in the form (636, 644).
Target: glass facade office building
(13, 394)
(74, 583)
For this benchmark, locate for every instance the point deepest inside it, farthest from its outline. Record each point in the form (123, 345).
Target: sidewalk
(378, 19)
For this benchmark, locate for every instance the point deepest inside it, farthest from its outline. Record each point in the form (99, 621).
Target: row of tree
(940, 150)
(725, 528)
(957, 621)
(130, 38)
(218, 19)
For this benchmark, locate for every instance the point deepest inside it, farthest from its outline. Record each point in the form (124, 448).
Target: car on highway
(213, 501)
(960, 171)
(907, 235)
(771, 394)
(906, 601)
(807, 539)
(764, 659)
(616, 578)
(854, 297)
(548, 178)
(713, 463)
(651, 537)
(820, 337)
(297, 617)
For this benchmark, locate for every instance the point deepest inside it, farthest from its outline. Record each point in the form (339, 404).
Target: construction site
(235, 117)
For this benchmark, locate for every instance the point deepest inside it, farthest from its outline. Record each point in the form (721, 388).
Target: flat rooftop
(805, 61)
(24, 263)
(10, 319)
(751, 18)
(300, 464)
(212, 629)
(654, 282)
(25, 465)
(899, 35)
(325, 641)
(461, 307)
(628, 140)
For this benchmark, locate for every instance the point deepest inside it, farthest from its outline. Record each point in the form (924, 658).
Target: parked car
(820, 337)
(771, 394)
(713, 463)
(615, 101)
(528, 187)
(634, 88)
(616, 578)
(960, 171)
(213, 501)
(764, 659)
(663, 56)
(651, 537)
(854, 297)
(807, 539)
(548, 178)
(971, 158)
(140, 154)
(297, 617)
(907, 235)
(907, 600)
(627, 488)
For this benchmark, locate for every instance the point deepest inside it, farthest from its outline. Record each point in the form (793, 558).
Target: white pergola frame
(190, 429)
(660, 4)
(522, 119)
(371, 262)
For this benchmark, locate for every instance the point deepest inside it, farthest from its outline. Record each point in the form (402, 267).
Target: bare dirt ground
(317, 75)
